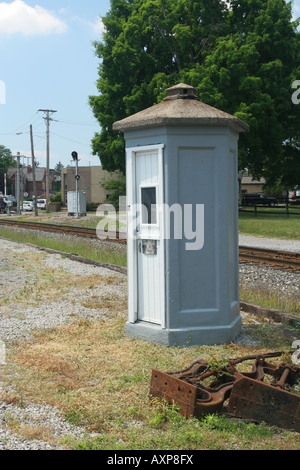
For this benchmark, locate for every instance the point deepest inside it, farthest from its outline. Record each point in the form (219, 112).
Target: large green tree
(242, 56)
(6, 161)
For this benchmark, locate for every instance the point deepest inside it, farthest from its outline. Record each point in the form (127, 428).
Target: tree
(249, 74)
(242, 59)
(146, 45)
(58, 167)
(6, 161)
(115, 188)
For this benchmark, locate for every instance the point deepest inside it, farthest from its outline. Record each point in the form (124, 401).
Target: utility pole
(47, 119)
(33, 173)
(18, 184)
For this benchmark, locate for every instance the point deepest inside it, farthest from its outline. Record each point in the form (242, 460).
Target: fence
(283, 208)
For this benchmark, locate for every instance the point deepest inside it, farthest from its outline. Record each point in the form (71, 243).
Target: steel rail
(274, 258)
(65, 229)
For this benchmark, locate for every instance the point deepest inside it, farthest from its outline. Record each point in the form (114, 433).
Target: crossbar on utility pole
(47, 119)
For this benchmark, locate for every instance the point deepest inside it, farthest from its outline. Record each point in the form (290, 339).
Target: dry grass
(100, 378)
(41, 433)
(51, 283)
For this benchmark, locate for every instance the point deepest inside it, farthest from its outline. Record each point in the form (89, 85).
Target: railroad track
(57, 228)
(273, 258)
(280, 259)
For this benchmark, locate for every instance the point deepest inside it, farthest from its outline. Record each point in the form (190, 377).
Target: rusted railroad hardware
(281, 259)
(263, 394)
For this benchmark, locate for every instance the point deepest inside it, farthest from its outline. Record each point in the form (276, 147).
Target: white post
(77, 194)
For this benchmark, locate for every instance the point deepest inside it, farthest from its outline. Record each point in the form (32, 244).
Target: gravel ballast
(21, 266)
(20, 269)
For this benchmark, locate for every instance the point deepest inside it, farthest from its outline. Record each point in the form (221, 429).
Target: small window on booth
(148, 199)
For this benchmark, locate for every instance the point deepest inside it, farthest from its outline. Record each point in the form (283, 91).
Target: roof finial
(182, 91)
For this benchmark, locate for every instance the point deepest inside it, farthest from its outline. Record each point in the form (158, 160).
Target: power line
(70, 140)
(78, 123)
(26, 123)
(62, 121)
(18, 130)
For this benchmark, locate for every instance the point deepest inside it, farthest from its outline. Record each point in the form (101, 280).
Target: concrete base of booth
(184, 337)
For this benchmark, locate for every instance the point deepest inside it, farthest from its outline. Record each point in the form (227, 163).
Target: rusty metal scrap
(263, 394)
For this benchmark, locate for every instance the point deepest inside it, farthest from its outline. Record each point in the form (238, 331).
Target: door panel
(150, 284)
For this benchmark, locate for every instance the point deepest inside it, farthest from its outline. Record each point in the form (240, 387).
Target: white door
(149, 242)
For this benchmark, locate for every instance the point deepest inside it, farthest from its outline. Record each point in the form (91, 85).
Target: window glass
(149, 205)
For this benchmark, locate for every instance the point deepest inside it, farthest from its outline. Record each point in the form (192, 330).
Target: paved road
(270, 243)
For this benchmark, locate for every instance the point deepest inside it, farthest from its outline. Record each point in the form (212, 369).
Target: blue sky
(47, 61)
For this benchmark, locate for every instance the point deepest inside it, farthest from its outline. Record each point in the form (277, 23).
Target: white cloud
(97, 27)
(18, 17)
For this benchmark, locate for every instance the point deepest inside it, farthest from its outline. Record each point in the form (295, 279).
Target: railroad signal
(77, 178)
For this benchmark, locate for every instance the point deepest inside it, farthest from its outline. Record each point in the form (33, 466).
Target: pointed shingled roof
(181, 107)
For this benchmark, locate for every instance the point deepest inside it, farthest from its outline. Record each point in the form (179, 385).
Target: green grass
(271, 299)
(48, 219)
(269, 225)
(171, 431)
(86, 249)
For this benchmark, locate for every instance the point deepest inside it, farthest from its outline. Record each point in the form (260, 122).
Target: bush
(56, 198)
(92, 206)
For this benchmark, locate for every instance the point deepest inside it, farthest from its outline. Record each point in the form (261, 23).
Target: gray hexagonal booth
(182, 233)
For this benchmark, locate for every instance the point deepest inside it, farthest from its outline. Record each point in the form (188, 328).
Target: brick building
(26, 180)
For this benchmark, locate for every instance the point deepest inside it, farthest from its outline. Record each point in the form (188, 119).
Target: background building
(91, 181)
(250, 185)
(26, 181)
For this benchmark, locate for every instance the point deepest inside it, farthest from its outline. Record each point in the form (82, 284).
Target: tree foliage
(242, 56)
(115, 189)
(58, 167)
(6, 159)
